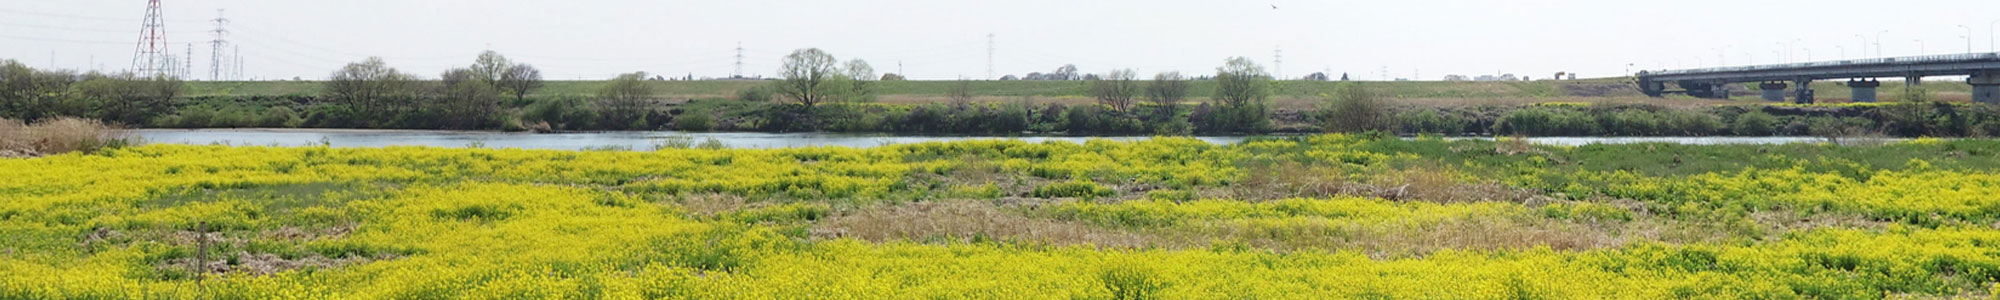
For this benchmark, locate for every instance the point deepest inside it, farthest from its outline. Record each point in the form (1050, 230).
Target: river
(647, 139)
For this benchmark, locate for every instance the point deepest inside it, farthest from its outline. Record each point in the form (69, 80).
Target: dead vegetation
(57, 136)
(1294, 180)
(967, 221)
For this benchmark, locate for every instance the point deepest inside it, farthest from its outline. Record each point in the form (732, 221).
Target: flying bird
(1274, 6)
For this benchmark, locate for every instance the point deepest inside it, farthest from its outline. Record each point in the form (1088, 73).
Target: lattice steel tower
(151, 56)
(215, 52)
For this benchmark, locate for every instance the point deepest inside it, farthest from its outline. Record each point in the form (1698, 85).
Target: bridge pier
(1803, 94)
(1773, 91)
(1864, 89)
(1985, 86)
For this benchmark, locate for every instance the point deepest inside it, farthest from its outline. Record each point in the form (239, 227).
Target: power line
(62, 40)
(106, 19)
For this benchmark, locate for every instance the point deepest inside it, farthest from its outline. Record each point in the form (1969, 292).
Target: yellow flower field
(1320, 217)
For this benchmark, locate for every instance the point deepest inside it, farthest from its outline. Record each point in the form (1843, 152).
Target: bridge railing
(1868, 61)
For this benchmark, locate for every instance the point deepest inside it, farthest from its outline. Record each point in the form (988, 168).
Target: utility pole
(238, 64)
(149, 56)
(739, 61)
(989, 57)
(215, 62)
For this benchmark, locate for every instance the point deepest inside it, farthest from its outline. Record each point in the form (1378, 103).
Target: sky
(596, 39)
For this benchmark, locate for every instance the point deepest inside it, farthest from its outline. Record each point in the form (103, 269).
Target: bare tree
(1356, 109)
(623, 100)
(860, 78)
(490, 66)
(1240, 82)
(520, 80)
(1116, 89)
(807, 74)
(961, 93)
(369, 87)
(1166, 93)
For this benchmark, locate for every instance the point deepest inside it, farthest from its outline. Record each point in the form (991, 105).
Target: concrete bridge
(1982, 69)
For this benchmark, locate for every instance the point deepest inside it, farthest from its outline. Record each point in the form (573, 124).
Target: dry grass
(1407, 240)
(57, 136)
(1294, 180)
(710, 205)
(966, 221)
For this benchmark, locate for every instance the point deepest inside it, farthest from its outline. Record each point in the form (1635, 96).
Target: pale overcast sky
(596, 39)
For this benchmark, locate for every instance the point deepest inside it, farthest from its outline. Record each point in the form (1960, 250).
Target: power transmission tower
(150, 57)
(1278, 62)
(739, 60)
(215, 62)
(187, 70)
(989, 57)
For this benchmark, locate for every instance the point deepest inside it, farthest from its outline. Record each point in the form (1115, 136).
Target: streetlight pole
(1968, 38)
(1748, 59)
(1920, 47)
(1780, 53)
(1878, 44)
(1864, 44)
(1843, 51)
(1989, 36)
(1808, 54)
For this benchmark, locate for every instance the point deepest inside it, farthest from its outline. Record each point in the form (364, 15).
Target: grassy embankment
(1310, 217)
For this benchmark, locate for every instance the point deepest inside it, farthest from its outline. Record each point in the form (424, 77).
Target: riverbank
(1600, 117)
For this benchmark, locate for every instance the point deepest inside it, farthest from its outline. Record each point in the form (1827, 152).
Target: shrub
(1430, 120)
(1754, 123)
(1356, 110)
(561, 113)
(278, 116)
(694, 120)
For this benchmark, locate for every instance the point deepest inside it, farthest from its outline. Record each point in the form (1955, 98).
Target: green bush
(1431, 121)
(562, 113)
(694, 120)
(1754, 123)
(278, 117)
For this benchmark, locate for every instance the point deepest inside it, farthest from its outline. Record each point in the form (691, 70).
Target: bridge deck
(1933, 65)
